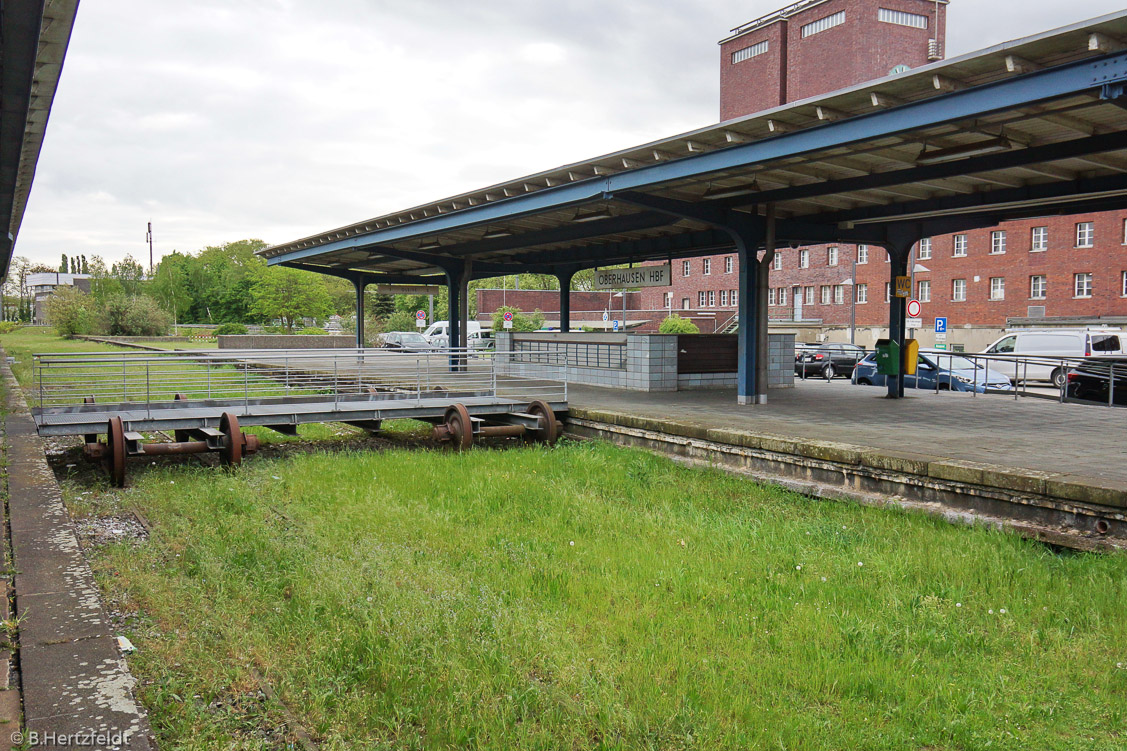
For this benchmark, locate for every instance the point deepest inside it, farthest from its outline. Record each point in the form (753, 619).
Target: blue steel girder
(366, 277)
(446, 263)
(643, 249)
(962, 105)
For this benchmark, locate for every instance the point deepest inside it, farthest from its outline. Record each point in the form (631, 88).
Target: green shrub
(521, 322)
(7, 327)
(139, 315)
(230, 329)
(400, 320)
(71, 312)
(312, 331)
(675, 324)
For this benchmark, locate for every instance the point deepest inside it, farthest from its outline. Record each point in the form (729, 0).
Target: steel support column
(762, 312)
(565, 278)
(359, 284)
(899, 252)
(747, 388)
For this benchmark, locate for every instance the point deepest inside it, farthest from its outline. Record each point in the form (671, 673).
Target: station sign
(639, 276)
(903, 286)
(408, 289)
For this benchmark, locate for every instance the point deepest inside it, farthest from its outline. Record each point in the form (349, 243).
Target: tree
(521, 322)
(171, 286)
(130, 274)
(103, 286)
(289, 295)
(70, 312)
(137, 315)
(84, 267)
(63, 266)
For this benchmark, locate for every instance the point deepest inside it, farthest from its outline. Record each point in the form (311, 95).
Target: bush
(521, 322)
(230, 329)
(400, 320)
(675, 324)
(71, 312)
(7, 327)
(312, 331)
(139, 315)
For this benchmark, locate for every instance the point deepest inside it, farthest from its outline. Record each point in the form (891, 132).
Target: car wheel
(1059, 377)
(944, 387)
(828, 372)
(864, 382)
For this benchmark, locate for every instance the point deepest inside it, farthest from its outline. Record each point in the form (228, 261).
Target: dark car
(827, 360)
(1089, 380)
(408, 341)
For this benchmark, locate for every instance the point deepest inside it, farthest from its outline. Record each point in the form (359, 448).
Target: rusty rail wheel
(115, 451)
(459, 426)
(549, 430)
(232, 453)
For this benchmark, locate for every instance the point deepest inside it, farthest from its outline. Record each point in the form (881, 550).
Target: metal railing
(611, 356)
(64, 379)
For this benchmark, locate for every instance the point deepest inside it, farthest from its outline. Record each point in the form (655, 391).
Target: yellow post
(911, 354)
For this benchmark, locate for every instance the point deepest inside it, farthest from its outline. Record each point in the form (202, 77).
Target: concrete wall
(281, 341)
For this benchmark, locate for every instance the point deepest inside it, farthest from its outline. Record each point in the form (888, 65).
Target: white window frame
(831, 255)
(735, 298)
(1123, 289)
(924, 253)
(686, 268)
(712, 298)
(1039, 240)
(1088, 280)
(778, 262)
(888, 291)
(770, 296)
(701, 298)
(1085, 234)
(998, 242)
(706, 266)
(754, 50)
(824, 294)
(808, 295)
(902, 18)
(804, 259)
(862, 255)
(997, 288)
(958, 290)
(1038, 282)
(723, 298)
(782, 295)
(862, 294)
(686, 304)
(823, 24)
(839, 294)
(959, 250)
(924, 290)
(728, 265)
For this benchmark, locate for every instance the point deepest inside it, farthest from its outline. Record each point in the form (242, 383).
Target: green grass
(599, 597)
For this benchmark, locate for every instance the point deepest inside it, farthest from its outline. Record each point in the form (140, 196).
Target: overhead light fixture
(919, 268)
(496, 234)
(434, 245)
(978, 148)
(730, 191)
(592, 215)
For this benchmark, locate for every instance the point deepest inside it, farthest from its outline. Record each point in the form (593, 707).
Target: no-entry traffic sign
(914, 308)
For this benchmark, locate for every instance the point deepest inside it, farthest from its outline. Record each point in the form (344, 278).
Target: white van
(438, 333)
(1053, 343)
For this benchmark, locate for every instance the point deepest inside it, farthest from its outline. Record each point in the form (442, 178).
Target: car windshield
(412, 339)
(953, 362)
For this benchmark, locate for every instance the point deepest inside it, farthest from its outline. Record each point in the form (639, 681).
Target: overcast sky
(220, 120)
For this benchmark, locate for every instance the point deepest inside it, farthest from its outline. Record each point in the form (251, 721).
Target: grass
(592, 596)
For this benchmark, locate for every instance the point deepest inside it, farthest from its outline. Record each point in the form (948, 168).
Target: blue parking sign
(941, 325)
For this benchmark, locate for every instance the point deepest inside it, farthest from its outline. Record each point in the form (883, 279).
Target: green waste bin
(888, 357)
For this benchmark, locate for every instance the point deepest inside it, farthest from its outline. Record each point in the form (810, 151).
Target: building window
(959, 290)
(782, 295)
(770, 296)
(667, 300)
(998, 242)
(839, 294)
(712, 299)
(804, 259)
(747, 53)
(1038, 285)
(686, 266)
(925, 249)
(724, 298)
(887, 257)
(924, 294)
(1125, 231)
(1039, 240)
(1085, 234)
(701, 297)
(810, 29)
(735, 299)
(685, 304)
(960, 246)
(825, 294)
(808, 293)
(1124, 290)
(728, 264)
(862, 254)
(831, 256)
(707, 266)
(888, 291)
(901, 18)
(997, 288)
(1083, 285)
(862, 294)
(778, 260)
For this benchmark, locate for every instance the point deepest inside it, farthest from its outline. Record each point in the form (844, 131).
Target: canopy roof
(1029, 127)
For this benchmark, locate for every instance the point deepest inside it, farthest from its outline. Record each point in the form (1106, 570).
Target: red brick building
(1058, 266)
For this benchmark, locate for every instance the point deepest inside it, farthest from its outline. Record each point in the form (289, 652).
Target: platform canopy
(34, 35)
(1031, 127)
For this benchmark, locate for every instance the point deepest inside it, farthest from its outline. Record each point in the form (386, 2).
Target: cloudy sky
(226, 119)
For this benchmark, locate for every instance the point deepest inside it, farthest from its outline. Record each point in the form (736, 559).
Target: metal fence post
(1111, 386)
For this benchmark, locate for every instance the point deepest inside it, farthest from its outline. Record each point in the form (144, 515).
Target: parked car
(827, 360)
(1026, 345)
(408, 341)
(953, 372)
(1089, 380)
(438, 333)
